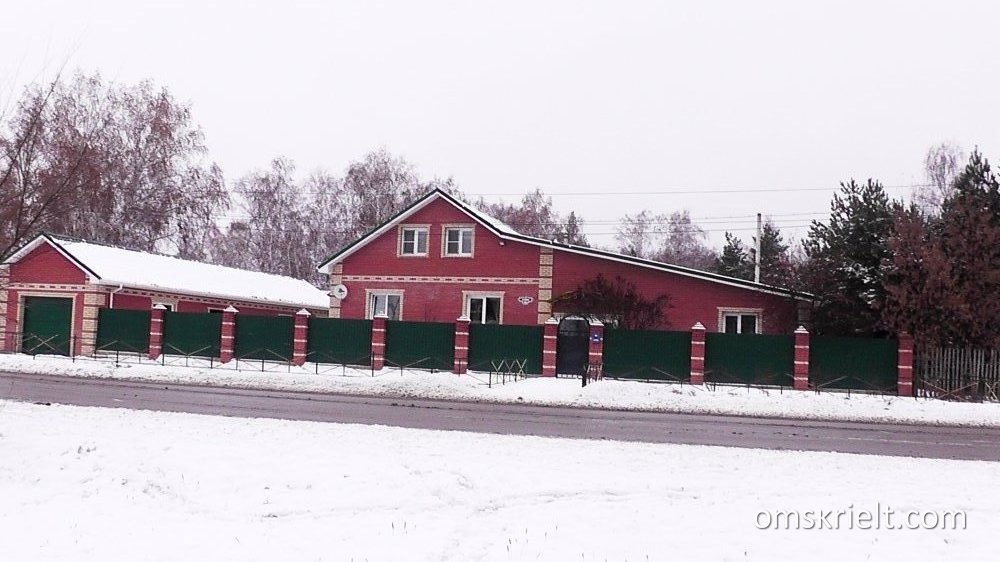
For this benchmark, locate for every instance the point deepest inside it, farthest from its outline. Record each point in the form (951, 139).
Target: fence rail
(957, 373)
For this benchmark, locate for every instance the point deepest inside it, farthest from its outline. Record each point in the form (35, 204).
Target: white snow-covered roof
(496, 223)
(108, 265)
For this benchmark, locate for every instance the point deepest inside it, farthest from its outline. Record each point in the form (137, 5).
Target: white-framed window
(216, 310)
(171, 306)
(389, 303)
(739, 320)
(458, 241)
(413, 240)
(484, 308)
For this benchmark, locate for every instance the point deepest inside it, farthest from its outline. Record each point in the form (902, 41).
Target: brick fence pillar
(300, 338)
(378, 341)
(549, 339)
(904, 385)
(228, 343)
(156, 331)
(800, 380)
(697, 353)
(596, 351)
(462, 345)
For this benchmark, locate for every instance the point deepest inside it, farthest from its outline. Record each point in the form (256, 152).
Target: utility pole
(756, 252)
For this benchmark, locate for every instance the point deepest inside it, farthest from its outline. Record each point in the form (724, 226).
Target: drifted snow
(627, 395)
(105, 484)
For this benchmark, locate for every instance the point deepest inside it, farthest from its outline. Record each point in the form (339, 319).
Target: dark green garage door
(47, 322)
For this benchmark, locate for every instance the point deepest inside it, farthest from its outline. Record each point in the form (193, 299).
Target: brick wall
(46, 265)
(432, 285)
(692, 300)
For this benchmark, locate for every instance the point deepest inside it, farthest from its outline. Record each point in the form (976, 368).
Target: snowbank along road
(547, 421)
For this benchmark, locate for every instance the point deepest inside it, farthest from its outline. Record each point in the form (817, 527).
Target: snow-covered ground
(112, 484)
(628, 395)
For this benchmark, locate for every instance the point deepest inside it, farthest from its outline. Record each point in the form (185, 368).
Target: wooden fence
(958, 373)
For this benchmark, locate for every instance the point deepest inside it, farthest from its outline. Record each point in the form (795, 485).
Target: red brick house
(61, 283)
(440, 259)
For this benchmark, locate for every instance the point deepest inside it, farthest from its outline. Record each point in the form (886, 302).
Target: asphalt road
(548, 421)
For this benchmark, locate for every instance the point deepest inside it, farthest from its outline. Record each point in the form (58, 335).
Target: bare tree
(536, 216)
(376, 188)
(274, 236)
(670, 238)
(117, 164)
(942, 165)
(641, 235)
(684, 243)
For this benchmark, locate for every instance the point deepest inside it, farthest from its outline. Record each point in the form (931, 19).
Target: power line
(699, 191)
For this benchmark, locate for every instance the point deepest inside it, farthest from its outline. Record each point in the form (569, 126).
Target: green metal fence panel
(424, 345)
(264, 337)
(750, 358)
(340, 340)
(123, 330)
(192, 333)
(47, 323)
(490, 344)
(647, 354)
(853, 363)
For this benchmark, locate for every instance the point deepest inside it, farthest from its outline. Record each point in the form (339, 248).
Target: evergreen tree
(969, 233)
(734, 260)
(845, 256)
(920, 298)
(572, 233)
(776, 267)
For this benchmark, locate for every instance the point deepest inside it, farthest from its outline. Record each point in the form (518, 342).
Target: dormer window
(413, 240)
(458, 241)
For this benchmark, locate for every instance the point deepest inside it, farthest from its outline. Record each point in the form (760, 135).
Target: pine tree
(776, 266)
(735, 259)
(970, 237)
(844, 270)
(572, 233)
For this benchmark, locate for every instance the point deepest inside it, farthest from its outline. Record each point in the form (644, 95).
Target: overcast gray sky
(610, 107)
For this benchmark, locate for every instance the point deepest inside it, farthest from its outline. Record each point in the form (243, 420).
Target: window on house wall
(167, 305)
(413, 241)
(740, 323)
(389, 304)
(458, 241)
(484, 310)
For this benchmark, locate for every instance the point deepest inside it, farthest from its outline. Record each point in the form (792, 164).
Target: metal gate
(47, 325)
(573, 346)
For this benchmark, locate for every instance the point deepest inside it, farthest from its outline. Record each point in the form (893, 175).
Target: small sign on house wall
(525, 300)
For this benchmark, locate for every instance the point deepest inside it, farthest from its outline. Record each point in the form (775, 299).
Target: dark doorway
(572, 346)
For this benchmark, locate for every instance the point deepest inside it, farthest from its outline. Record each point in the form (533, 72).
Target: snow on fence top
(117, 266)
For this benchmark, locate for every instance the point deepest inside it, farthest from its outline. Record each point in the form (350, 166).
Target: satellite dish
(339, 291)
